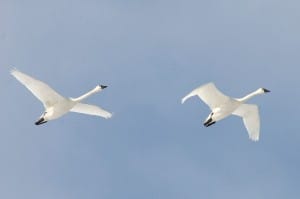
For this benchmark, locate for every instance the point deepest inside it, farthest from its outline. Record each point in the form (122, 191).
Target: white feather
(222, 106)
(55, 104)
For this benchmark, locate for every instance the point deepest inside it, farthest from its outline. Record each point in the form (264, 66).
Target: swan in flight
(223, 106)
(55, 104)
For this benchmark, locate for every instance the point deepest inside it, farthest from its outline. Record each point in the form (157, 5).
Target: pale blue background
(150, 54)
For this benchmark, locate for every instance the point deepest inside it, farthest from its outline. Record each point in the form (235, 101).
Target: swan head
(263, 90)
(99, 88)
(95, 90)
(266, 90)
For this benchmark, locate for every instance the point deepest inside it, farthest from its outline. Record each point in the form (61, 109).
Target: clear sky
(150, 54)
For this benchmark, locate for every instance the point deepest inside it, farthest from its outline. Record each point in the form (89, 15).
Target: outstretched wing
(250, 115)
(39, 89)
(91, 110)
(209, 94)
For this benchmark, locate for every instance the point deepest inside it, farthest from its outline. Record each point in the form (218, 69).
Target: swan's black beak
(103, 87)
(40, 121)
(266, 90)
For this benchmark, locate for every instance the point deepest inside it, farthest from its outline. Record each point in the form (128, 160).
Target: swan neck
(86, 95)
(247, 97)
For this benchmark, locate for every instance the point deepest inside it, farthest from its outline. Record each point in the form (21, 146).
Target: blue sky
(150, 54)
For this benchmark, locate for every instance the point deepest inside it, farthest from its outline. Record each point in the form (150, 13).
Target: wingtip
(254, 139)
(13, 70)
(109, 115)
(185, 98)
(182, 101)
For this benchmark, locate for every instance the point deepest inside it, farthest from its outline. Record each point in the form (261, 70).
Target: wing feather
(250, 115)
(38, 88)
(91, 110)
(209, 94)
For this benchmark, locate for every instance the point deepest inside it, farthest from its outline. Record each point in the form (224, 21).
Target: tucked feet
(208, 122)
(40, 121)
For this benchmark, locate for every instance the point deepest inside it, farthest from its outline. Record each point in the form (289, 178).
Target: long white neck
(82, 97)
(247, 97)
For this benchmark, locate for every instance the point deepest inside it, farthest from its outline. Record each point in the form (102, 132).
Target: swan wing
(38, 88)
(91, 110)
(209, 94)
(250, 115)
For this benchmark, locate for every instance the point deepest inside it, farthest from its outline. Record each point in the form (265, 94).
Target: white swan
(55, 104)
(223, 106)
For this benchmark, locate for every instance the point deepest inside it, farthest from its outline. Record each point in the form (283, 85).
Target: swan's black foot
(103, 87)
(209, 122)
(40, 121)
